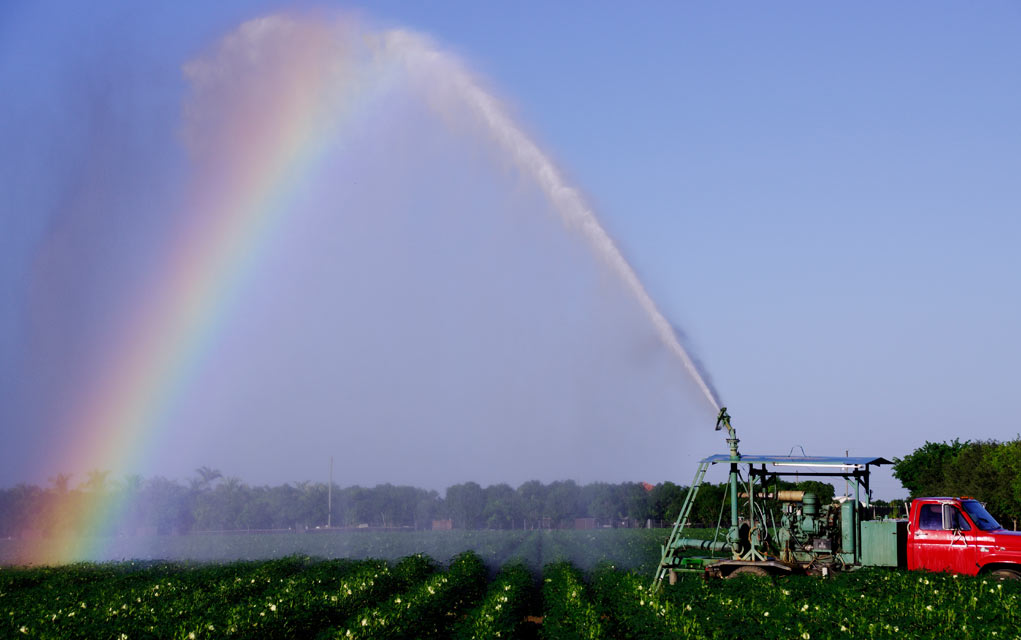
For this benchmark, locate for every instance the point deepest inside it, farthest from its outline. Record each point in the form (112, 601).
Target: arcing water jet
(445, 78)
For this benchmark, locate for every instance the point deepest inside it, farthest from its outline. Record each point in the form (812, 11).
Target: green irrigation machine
(781, 532)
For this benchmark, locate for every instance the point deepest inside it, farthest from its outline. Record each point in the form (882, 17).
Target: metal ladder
(666, 560)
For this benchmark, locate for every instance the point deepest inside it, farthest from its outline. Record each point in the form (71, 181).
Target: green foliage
(989, 471)
(503, 610)
(466, 503)
(426, 611)
(297, 597)
(211, 502)
(562, 502)
(881, 604)
(568, 613)
(922, 472)
(666, 501)
(634, 610)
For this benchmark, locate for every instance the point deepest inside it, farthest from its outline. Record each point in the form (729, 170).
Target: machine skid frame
(754, 537)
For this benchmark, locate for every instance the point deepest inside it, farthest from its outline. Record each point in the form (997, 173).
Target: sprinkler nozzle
(722, 420)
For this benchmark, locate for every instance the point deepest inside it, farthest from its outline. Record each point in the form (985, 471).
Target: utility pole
(329, 498)
(847, 483)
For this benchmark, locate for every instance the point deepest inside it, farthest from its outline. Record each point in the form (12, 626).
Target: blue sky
(824, 196)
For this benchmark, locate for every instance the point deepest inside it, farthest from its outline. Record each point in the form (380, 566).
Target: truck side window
(930, 518)
(958, 520)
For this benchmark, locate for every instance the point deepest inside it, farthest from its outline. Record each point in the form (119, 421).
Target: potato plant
(568, 613)
(415, 598)
(427, 611)
(503, 609)
(633, 610)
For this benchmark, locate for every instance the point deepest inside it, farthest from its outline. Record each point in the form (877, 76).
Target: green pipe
(704, 545)
(723, 420)
(857, 522)
(733, 495)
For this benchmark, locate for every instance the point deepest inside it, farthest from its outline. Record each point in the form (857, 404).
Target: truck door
(944, 540)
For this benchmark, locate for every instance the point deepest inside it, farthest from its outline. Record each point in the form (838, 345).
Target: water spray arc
(443, 75)
(274, 107)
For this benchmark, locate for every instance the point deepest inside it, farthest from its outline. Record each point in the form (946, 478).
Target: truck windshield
(980, 516)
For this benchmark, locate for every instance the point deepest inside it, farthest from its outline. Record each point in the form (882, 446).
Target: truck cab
(959, 535)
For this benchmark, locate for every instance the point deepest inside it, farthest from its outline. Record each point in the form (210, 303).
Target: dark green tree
(922, 472)
(562, 502)
(466, 503)
(533, 502)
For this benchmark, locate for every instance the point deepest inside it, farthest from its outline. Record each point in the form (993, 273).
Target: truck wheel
(1005, 574)
(748, 570)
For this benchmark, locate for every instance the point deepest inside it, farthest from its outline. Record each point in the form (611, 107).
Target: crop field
(577, 593)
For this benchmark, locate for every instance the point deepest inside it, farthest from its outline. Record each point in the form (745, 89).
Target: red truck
(959, 535)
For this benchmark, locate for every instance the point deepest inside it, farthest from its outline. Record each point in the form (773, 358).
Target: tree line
(987, 470)
(211, 502)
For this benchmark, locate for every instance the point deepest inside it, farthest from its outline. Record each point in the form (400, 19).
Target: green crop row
(568, 613)
(502, 611)
(83, 601)
(634, 610)
(415, 598)
(312, 601)
(865, 604)
(426, 611)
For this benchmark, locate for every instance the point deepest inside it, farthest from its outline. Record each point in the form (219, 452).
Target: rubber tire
(748, 570)
(1005, 574)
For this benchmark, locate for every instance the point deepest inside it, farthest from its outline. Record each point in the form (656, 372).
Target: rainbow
(251, 160)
